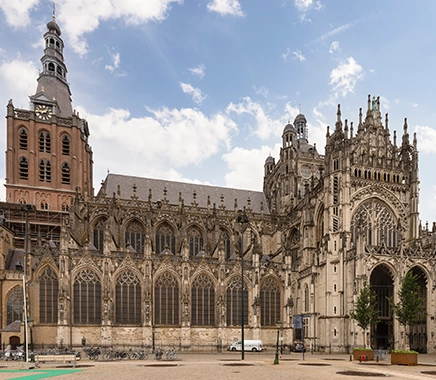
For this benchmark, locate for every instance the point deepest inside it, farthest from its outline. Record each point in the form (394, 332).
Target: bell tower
(48, 158)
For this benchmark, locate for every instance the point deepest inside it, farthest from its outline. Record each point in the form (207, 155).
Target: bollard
(351, 358)
(363, 358)
(360, 359)
(377, 358)
(366, 358)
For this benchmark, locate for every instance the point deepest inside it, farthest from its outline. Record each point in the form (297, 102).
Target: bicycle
(171, 354)
(158, 354)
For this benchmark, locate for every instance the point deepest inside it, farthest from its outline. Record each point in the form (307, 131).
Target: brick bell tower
(48, 158)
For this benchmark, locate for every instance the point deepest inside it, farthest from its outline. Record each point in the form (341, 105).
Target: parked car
(297, 347)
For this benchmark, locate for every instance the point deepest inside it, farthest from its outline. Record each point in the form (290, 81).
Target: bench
(60, 358)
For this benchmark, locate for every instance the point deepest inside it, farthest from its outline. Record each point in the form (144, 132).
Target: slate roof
(187, 190)
(12, 327)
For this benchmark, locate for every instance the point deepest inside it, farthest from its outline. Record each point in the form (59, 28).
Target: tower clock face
(43, 112)
(306, 172)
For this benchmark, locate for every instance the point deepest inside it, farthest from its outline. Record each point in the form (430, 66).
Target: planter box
(404, 359)
(357, 354)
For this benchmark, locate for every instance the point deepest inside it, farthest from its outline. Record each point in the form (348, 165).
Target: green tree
(410, 308)
(365, 310)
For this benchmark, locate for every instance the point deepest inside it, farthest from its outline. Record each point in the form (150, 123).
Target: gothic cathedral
(144, 261)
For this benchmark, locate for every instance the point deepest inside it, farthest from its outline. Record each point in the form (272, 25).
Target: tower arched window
(66, 173)
(234, 306)
(270, 304)
(99, 228)
(48, 296)
(14, 305)
(128, 299)
(24, 168)
(87, 298)
(135, 236)
(203, 301)
(23, 139)
(65, 145)
(51, 67)
(195, 241)
(44, 170)
(59, 70)
(165, 238)
(65, 207)
(166, 300)
(44, 142)
(44, 205)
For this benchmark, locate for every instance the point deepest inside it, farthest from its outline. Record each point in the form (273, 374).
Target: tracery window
(374, 222)
(23, 139)
(43, 205)
(226, 242)
(44, 170)
(128, 299)
(65, 207)
(66, 173)
(99, 228)
(65, 145)
(48, 296)
(166, 299)
(306, 297)
(195, 241)
(165, 238)
(135, 236)
(87, 298)
(44, 142)
(24, 168)
(203, 301)
(270, 304)
(233, 295)
(14, 305)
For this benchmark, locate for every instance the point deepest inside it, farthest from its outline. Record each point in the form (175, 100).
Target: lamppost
(153, 330)
(279, 325)
(242, 219)
(30, 324)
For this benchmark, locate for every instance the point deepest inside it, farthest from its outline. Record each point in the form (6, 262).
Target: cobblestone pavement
(230, 366)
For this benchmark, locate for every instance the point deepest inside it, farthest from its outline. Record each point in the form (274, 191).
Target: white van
(249, 345)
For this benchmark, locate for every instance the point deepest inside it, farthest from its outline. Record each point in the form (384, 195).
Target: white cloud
(242, 161)
(306, 5)
(337, 30)
(18, 90)
(427, 139)
(17, 11)
(261, 91)
(343, 79)
(116, 60)
(286, 55)
(298, 56)
(334, 46)
(199, 70)
(156, 140)
(196, 94)
(79, 17)
(226, 7)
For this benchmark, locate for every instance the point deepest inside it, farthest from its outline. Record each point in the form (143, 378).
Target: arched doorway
(418, 333)
(382, 285)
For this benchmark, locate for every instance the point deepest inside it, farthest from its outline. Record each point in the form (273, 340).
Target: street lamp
(242, 219)
(279, 325)
(153, 330)
(30, 324)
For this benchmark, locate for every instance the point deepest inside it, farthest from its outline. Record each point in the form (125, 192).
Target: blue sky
(200, 91)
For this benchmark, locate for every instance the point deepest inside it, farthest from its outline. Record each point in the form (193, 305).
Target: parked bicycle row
(97, 353)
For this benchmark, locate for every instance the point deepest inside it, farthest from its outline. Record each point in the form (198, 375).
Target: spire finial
(299, 108)
(54, 11)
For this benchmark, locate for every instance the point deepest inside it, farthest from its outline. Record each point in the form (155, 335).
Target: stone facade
(154, 262)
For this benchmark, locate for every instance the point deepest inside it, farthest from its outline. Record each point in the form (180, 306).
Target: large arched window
(270, 304)
(24, 168)
(23, 139)
(166, 300)
(66, 173)
(234, 302)
(48, 296)
(135, 236)
(99, 228)
(195, 241)
(87, 298)
(44, 170)
(203, 301)
(128, 299)
(165, 238)
(14, 305)
(376, 223)
(65, 145)
(44, 142)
